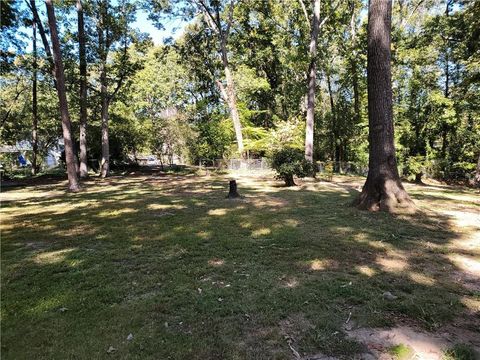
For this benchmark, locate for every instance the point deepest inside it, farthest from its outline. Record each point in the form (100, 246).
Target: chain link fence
(330, 168)
(263, 164)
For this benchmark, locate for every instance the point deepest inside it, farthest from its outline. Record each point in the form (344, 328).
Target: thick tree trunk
(383, 189)
(312, 81)
(231, 96)
(62, 98)
(34, 103)
(83, 91)
(289, 180)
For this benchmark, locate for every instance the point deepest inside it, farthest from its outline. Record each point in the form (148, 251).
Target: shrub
(328, 170)
(456, 172)
(415, 166)
(290, 162)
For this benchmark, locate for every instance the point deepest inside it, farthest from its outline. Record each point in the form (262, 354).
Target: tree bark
(289, 180)
(105, 163)
(62, 98)
(312, 81)
(383, 189)
(34, 102)
(104, 96)
(232, 190)
(231, 95)
(335, 146)
(212, 17)
(83, 91)
(477, 173)
(43, 36)
(353, 64)
(447, 57)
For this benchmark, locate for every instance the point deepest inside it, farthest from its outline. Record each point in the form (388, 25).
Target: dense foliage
(290, 162)
(169, 99)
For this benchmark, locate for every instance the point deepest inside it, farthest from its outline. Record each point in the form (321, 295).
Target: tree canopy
(250, 62)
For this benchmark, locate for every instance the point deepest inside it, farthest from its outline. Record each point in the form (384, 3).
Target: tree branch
(302, 4)
(230, 18)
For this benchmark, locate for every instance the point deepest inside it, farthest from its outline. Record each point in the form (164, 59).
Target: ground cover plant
(156, 265)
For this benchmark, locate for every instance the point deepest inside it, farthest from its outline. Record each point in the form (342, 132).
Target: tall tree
(212, 14)
(477, 172)
(383, 189)
(114, 38)
(312, 79)
(83, 90)
(62, 98)
(43, 35)
(34, 100)
(218, 16)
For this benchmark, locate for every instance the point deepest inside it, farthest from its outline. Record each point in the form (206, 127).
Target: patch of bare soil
(424, 345)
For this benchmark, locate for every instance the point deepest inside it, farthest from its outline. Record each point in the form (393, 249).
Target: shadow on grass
(194, 275)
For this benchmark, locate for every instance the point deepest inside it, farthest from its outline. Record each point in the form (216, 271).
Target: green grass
(461, 352)
(193, 275)
(402, 352)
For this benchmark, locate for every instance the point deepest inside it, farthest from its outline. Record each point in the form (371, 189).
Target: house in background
(23, 149)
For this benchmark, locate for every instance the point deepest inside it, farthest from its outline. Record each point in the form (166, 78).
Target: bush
(415, 167)
(290, 162)
(456, 172)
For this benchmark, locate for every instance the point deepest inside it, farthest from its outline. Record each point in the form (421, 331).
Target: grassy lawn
(192, 275)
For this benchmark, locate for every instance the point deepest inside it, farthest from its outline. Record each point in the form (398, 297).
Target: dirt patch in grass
(422, 345)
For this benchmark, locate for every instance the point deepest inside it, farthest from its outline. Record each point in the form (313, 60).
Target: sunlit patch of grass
(116, 212)
(261, 232)
(472, 303)
(194, 275)
(217, 212)
(366, 270)
(402, 352)
(421, 278)
(52, 257)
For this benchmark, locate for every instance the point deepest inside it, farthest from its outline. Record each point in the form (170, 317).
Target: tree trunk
(312, 81)
(231, 96)
(335, 146)
(289, 180)
(353, 65)
(104, 97)
(105, 163)
(383, 189)
(418, 178)
(447, 57)
(232, 190)
(83, 91)
(34, 102)
(62, 98)
(356, 95)
(477, 173)
(43, 36)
